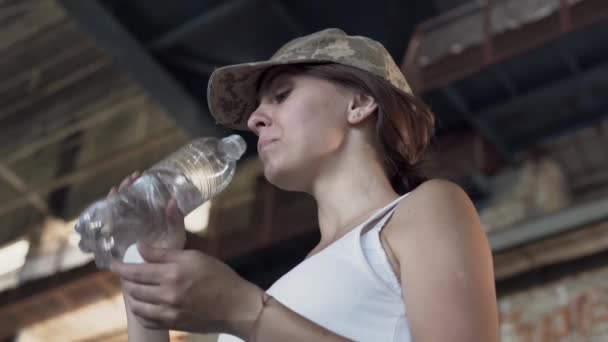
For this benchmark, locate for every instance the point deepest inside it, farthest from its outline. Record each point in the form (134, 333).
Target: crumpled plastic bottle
(189, 177)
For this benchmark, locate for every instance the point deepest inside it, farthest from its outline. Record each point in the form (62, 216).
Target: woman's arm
(174, 239)
(446, 271)
(276, 322)
(445, 265)
(138, 333)
(190, 291)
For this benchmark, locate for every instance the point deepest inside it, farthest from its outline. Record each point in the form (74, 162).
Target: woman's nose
(258, 120)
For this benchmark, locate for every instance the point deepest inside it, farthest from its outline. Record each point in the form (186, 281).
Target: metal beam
(570, 60)
(127, 52)
(174, 36)
(191, 64)
(484, 129)
(557, 223)
(505, 81)
(582, 85)
(18, 184)
(295, 26)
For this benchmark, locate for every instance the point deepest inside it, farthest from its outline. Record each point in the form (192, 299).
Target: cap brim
(232, 91)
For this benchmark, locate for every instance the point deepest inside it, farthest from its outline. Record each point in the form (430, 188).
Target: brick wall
(571, 309)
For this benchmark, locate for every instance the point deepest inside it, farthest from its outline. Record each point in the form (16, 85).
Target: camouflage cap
(232, 90)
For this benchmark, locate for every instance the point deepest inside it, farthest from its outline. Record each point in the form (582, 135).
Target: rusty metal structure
(497, 62)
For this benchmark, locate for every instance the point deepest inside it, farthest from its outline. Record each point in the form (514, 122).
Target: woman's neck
(348, 192)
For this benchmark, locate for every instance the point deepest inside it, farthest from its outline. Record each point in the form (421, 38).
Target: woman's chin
(274, 177)
(282, 179)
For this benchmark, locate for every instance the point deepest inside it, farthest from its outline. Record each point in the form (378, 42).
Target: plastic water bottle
(110, 227)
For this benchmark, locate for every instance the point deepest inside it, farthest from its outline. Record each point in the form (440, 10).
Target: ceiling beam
(76, 75)
(148, 144)
(191, 64)
(584, 85)
(99, 112)
(504, 79)
(570, 60)
(127, 52)
(296, 27)
(174, 36)
(560, 222)
(477, 122)
(34, 198)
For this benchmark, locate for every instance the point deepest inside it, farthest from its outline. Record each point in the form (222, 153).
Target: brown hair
(404, 126)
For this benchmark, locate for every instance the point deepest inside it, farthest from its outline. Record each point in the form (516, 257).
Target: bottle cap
(233, 146)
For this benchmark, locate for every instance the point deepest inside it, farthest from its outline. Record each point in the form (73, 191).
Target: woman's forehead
(274, 77)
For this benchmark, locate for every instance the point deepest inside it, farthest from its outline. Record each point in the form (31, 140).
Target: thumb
(155, 254)
(173, 214)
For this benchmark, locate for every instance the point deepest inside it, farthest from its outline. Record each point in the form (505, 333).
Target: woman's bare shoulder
(436, 207)
(445, 264)
(437, 189)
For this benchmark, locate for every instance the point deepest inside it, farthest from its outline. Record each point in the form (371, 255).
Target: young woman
(400, 258)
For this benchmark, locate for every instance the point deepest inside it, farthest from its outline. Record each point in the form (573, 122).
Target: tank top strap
(373, 251)
(379, 221)
(384, 219)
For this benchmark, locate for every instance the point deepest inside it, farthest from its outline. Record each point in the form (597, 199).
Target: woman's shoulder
(435, 208)
(437, 189)
(435, 197)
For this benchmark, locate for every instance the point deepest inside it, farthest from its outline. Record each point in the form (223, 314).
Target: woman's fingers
(135, 175)
(151, 274)
(146, 322)
(152, 294)
(153, 315)
(125, 183)
(174, 215)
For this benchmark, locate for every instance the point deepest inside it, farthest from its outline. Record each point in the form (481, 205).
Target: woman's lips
(264, 144)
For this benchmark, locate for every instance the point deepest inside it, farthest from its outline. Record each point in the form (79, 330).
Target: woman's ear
(360, 108)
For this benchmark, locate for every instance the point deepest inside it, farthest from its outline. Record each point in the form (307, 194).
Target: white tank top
(349, 287)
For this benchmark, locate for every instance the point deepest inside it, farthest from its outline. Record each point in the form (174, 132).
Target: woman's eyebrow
(264, 89)
(275, 81)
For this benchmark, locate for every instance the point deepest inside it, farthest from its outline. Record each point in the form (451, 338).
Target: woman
(400, 258)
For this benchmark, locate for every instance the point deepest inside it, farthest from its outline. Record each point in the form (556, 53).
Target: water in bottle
(138, 213)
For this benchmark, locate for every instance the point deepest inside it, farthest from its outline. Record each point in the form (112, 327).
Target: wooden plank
(575, 244)
(18, 184)
(98, 166)
(100, 111)
(97, 20)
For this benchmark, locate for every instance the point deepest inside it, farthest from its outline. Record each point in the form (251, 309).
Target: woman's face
(301, 123)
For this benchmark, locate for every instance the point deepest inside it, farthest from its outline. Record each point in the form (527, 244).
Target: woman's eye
(281, 96)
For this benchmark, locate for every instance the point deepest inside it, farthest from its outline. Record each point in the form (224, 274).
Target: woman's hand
(189, 291)
(174, 236)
